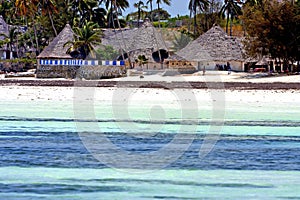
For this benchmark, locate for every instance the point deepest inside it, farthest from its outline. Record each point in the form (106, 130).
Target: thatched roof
(263, 61)
(56, 47)
(145, 37)
(4, 28)
(176, 57)
(214, 45)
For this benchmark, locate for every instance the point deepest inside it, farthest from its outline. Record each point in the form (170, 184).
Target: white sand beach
(28, 93)
(44, 93)
(217, 76)
(213, 76)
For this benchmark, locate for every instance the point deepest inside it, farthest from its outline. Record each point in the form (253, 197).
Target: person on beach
(228, 68)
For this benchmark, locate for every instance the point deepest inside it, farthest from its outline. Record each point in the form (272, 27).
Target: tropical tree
(181, 41)
(99, 16)
(120, 5)
(159, 2)
(113, 20)
(48, 7)
(28, 9)
(140, 6)
(6, 10)
(106, 53)
(197, 5)
(160, 15)
(233, 10)
(141, 60)
(11, 39)
(151, 7)
(85, 40)
(83, 9)
(273, 29)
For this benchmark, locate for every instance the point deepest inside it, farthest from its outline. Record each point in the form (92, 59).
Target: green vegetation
(141, 60)
(106, 53)
(181, 41)
(271, 27)
(86, 38)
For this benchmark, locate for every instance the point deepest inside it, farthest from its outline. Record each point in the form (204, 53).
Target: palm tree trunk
(36, 39)
(195, 21)
(30, 37)
(52, 23)
(231, 19)
(17, 46)
(227, 20)
(151, 9)
(139, 16)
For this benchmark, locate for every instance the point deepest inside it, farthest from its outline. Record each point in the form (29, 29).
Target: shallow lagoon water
(256, 155)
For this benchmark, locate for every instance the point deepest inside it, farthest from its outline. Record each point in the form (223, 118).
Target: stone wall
(83, 72)
(56, 71)
(97, 72)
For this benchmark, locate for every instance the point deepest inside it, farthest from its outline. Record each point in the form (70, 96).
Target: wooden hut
(131, 43)
(56, 50)
(4, 29)
(213, 48)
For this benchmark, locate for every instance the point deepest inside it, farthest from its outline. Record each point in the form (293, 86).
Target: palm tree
(181, 41)
(9, 39)
(48, 7)
(119, 4)
(141, 60)
(27, 9)
(6, 10)
(99, 16)
(195, 5)
(151, 7)
(158, 2)
(85, 38)
(140, 6)
(83, 9)
(232, 9)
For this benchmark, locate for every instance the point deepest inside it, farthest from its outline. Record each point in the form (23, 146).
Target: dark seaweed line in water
(271, 123)
(155, 84)
(41, 134)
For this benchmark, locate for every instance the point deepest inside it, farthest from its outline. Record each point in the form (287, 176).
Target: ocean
(163, 148)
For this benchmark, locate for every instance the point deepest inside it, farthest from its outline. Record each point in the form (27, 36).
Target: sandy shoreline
(211, 80)
(15, 93)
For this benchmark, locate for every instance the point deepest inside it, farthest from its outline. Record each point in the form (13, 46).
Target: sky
(177, 7)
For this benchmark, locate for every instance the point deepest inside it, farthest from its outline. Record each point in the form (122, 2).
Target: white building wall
(211, 65)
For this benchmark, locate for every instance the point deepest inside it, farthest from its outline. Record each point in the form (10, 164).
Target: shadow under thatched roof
(176, 57)
(214, 45)
(56, 47)
(145, 37)
(263, 61)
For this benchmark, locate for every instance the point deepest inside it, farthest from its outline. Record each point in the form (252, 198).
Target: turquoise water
(44, 154)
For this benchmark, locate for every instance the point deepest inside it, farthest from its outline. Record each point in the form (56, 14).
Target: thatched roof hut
(4, 28)
(214, 45)
(145, 40)
(56, 47)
